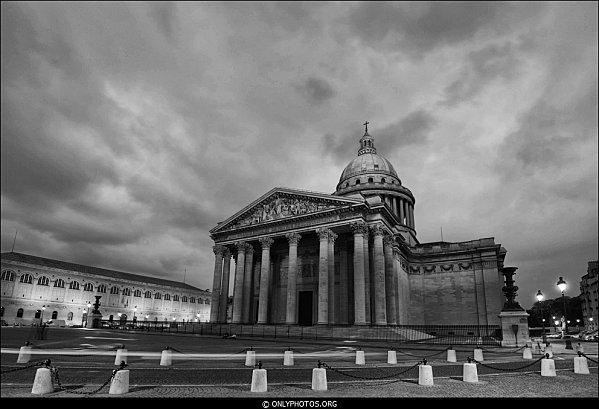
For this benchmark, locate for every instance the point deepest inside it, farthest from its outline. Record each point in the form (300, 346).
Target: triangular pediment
(282, 203)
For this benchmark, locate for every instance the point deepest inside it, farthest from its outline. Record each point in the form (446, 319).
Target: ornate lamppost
(514, 320)
(42, 315)
(561, 284)
(540, 299)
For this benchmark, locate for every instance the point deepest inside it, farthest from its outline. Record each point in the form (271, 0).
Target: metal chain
(588, 357)
(503, 352)
(508, 369)
(421, 356)
(23, 367)
(325, 365)
(56, 376)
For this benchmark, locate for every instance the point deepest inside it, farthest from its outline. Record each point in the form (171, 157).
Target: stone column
(396, 285)
(291, 316)
(331, 268)
(406, 212)
(247, 284)
(264, 280)
(359, 229)
(367, 278)
(389, 280)
(412, 217)
(401, 211)
(238, 282)
(216, 282)
(224, 295)
(343, 283)
(394, 199)
(323, 276)
(380, 302)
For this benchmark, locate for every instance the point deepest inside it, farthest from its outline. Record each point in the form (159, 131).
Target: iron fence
(419, 334)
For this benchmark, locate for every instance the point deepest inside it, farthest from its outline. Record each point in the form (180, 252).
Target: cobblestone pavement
(199, 373)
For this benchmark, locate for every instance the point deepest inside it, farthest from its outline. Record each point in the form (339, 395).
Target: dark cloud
(483, 66)
(418, 27)
(316, 90)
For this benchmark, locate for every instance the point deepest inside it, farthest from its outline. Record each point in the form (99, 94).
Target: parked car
(591, 336)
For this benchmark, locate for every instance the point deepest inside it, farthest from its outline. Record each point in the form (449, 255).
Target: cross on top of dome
(366, 142)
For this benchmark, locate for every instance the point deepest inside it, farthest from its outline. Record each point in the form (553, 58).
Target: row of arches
(27, 278)
(371, 179)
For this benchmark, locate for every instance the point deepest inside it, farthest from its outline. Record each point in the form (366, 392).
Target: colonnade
(381, 284)
(402, 208)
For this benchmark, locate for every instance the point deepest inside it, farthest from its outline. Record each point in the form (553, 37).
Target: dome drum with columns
(352, 257)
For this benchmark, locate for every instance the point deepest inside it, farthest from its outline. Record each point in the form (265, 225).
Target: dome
(367, 163)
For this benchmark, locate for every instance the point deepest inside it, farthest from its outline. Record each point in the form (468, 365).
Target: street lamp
(539, 299)
(561, 284)
(42, 315)
(89, 305)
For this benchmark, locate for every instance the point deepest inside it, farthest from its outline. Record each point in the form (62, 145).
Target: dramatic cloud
(130, 129)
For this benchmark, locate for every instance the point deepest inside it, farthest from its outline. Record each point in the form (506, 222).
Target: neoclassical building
(351, 257)
(30, 283)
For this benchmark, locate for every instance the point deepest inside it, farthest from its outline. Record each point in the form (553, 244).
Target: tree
(555, 308)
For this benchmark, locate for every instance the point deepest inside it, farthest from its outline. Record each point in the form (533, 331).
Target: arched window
(370, 180)
(38, 314)
(347, 184)
(59, 283)
(184, 299)
(148, 294)
(383, 180)
(26, 279)
(102, 289)
(8, 275)
(74, 285)
(20, 313)
(114, 290)
(175, 297)
(88, 287)
(54, 315)
(137, 293)
(357, 181)
(167, 297)
(70, 316)
(157, 296)
(192, 300)
(126, 291)
(43, 280)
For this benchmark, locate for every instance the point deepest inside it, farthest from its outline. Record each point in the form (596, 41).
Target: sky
(129, 129)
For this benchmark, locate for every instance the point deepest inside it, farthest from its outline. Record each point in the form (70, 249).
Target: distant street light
(561, 284)
(539, 299)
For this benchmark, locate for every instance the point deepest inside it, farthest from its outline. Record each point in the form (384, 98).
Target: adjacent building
(351, 257)
(36, 288)
(588, 294)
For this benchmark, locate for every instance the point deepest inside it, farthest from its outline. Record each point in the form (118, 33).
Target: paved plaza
(214, 367)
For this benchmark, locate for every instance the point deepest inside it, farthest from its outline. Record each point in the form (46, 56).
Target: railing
(423, 334)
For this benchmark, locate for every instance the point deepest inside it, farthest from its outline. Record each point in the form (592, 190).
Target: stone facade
(351, 258)
(64, 289)
(588, 293)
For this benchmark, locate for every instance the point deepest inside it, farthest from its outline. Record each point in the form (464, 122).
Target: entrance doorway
(305, 308)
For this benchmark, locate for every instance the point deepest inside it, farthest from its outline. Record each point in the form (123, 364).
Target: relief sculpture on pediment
(280, 207)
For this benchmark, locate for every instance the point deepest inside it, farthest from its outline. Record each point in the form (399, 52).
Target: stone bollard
(120, 383)
(121, 355)
(478, 355)
(360, 357)
(425, 375)
(581, 365)
(166, 358)
(259, 383)
(288, 358)
(391, 357)
(319, 378)
(42, 384)
(24, 354)
(451, 357)
(250, 357)
(470, 373)
(547, 367)
(527, 353)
